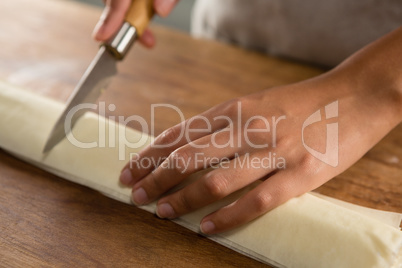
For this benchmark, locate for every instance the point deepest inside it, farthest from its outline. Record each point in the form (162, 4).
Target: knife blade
(103, 67)
(89, 88)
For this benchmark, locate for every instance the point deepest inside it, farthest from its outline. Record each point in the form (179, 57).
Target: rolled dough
(304, 232)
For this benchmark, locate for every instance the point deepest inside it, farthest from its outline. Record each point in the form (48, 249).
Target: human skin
(113, 16)
(368, 90)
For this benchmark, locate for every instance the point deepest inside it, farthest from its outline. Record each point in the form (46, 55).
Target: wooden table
(47, 221)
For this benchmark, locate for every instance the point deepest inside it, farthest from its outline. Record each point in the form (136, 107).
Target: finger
(269, 194)
(215, 185)
(181, 163)
(147, 39)
(111, 19)
(170, 140)
(164, 7)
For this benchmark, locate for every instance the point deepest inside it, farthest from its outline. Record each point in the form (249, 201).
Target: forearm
(375, 73)
(368, 88)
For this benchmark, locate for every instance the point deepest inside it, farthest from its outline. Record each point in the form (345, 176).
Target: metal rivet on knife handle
(136, 21)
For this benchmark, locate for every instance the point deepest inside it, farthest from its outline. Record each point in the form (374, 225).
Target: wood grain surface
(47, 221)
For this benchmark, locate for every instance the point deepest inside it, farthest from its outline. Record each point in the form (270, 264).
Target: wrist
(374, 75)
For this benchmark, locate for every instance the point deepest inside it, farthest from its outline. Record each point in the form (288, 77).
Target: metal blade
(95, 79)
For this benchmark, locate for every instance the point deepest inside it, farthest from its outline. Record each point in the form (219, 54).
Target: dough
(304, 232)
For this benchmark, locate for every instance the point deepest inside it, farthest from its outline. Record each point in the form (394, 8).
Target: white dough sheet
(307, 231)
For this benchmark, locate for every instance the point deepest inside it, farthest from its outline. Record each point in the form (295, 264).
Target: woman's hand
(113, 16)
(311, 131)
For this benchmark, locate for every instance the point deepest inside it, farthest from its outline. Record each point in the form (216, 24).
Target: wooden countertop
(47, 221)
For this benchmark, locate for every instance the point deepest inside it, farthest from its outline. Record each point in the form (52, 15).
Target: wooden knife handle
(139, 14)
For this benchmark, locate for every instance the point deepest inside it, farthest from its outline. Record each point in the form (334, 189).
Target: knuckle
(180, 160)
(262, 202)
(155, 182)
(289, 146)
(258, 123)
(231, 107)
(256, 132)
(284, 142)
(308, 164)
(184, 203)
(216, 185)
(169, 137)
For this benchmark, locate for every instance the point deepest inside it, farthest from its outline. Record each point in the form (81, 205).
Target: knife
(102, 68)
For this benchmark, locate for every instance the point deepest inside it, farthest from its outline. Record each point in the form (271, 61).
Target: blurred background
(179, 19)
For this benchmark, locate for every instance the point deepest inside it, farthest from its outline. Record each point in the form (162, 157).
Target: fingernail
(163, 7)
(207, 227)
(126, 177)
(165, 211)
(140, 197)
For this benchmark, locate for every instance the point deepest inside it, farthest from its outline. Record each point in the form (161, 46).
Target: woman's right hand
(113, 16)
